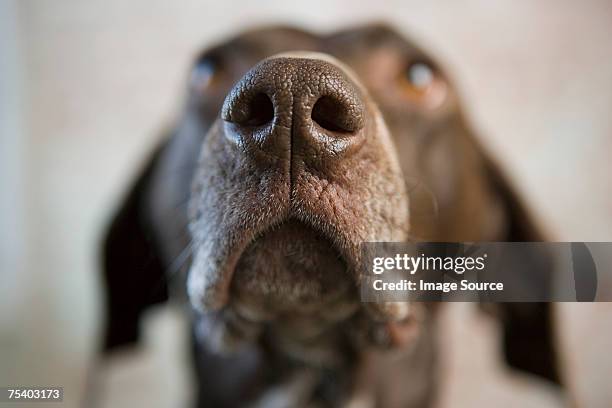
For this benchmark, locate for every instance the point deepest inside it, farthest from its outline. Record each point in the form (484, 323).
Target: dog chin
(291, 268)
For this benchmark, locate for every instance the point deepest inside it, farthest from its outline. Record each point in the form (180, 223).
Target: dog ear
(528, 328)
(133, 272)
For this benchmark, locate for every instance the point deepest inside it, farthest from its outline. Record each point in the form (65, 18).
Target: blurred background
(85, 88)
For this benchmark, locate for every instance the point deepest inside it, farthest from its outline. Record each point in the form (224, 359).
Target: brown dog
(292, 150)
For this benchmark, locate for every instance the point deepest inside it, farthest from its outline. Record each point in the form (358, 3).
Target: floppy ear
(133, 272)
(528, 328)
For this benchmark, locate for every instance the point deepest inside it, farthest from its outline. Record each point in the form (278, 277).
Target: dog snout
(301, 152)
(295, 106)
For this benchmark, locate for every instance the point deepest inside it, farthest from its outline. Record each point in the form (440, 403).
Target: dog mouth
(294, 264)
(291, 268)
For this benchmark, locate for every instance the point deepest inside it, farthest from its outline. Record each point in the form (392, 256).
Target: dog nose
(296, 107)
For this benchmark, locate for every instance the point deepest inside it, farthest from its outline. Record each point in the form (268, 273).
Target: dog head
(312, 145)
(292, 150)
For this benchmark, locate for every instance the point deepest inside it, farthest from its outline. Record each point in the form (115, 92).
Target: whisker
(174, 268)
(180, 206)
(181, 259)
(420, 189)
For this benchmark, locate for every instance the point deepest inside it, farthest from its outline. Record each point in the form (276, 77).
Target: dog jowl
(293, 149)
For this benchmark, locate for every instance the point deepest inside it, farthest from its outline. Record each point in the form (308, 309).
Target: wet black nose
(295, 107)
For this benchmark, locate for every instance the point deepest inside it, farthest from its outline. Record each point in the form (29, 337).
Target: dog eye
(421, 83)
(203, 73)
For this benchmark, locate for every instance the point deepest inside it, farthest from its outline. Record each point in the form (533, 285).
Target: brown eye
(421, 83)
(203, 74)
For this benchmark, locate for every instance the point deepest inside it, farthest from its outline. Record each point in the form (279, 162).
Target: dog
(291, 150)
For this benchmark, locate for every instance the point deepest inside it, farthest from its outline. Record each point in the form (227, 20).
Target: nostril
(335, 116)
(258, 112)
(325, 112)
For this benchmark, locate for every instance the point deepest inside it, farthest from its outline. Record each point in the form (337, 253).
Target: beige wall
(99, 78)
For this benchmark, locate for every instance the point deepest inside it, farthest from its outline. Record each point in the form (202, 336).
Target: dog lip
(266, 229)
(205, 297)
(290, 262)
